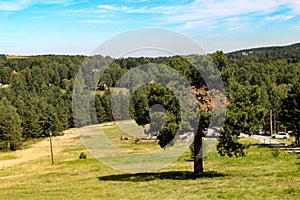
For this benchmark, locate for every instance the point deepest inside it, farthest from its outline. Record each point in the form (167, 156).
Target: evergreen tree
(291, 111)
(10, 126)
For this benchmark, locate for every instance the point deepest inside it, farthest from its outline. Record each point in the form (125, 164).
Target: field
(259, 175)
(115, 90)
(15, 57)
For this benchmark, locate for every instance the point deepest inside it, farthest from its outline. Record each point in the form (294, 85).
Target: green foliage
(275, 152)
(2, 57)
(149, 95)
(10, 126)
(112, 74)
(220, 60)
(41, 87)
(82, 155)
(290, 114)
(141, 107)
(291, 108)
(273, 75)
(290, 52)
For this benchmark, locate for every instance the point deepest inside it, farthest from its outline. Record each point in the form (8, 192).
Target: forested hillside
(40, 90)
(37, 97)
(275, 52)
(272, 73)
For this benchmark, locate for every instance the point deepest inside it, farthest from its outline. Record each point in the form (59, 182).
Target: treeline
(290, 52)
(38, 96)
(117, 74)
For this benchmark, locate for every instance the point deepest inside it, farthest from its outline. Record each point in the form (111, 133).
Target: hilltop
(272, 52)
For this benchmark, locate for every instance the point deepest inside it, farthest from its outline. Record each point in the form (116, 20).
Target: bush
(275, 152)
(82, 155)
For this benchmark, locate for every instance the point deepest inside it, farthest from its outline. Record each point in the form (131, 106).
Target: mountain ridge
(287, 51)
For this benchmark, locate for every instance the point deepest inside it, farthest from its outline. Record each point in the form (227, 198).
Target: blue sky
(30, 27)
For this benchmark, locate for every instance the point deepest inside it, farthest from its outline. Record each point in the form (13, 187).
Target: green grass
(259, 175)
(114, 134)
(27, 143)
(112, 89)
(7, 157)
(290, 141)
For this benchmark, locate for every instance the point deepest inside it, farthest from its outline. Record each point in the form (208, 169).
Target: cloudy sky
(30, 27)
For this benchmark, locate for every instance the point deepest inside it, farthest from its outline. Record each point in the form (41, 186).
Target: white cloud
(193, 11)
(13, 5)
(233, 19)
(192, 14)
(230, 11)
(211, 9)
(113, 8)
(289, 17)
(278, 17)
(296, 6)
(193, 24)
(186, 16)
(143, 10)
(24, 4)
(273, 18)
(94, 21)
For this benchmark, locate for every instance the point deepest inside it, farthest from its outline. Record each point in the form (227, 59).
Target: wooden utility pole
(275, 130)
(51, 149)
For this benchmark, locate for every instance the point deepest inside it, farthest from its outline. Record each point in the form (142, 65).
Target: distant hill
(274, 52)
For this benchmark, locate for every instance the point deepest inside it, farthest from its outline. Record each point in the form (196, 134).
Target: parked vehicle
(281, 135)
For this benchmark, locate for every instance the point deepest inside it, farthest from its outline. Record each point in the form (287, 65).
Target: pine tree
(10, 126)
(291, 111)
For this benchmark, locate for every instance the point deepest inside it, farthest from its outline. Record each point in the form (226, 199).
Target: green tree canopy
(10, 126)
(291, 111)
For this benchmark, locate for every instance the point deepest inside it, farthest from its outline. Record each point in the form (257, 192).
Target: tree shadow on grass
(172, 175)
(269, 146)
(260, 145)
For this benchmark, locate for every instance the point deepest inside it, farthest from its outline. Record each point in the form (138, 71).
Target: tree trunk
(198, 154)
(297, 139)
(8, 146)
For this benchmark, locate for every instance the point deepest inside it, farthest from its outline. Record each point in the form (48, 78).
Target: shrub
(82, 155)
(275, 152)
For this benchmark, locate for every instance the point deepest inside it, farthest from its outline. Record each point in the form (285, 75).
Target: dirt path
(40, 149)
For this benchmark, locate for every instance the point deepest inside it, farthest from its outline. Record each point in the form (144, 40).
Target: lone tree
(149, 95)
(291, 111)
(245, 111)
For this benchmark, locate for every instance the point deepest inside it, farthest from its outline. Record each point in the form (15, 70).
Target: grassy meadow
(259, 175)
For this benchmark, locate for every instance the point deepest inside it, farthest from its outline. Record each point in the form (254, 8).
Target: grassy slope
(259, 175)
